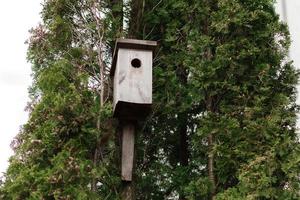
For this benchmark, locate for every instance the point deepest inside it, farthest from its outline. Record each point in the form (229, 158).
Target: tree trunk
(184, 153)
(136, 15)
(211, 174)
(211, 107)
(182, 74)
(128, 191)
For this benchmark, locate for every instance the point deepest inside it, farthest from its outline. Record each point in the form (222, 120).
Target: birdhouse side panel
(133, 77)
(115, 90)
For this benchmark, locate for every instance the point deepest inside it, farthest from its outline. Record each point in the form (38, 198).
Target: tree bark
(210, 140)
(136, 15)
(211, 174)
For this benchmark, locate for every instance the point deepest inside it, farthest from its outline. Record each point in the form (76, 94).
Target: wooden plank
(127, 151)
(136, 44)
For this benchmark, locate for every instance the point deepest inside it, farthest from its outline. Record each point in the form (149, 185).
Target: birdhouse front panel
(133, 77)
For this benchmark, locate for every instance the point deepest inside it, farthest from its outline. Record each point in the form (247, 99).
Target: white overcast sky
(16, 18)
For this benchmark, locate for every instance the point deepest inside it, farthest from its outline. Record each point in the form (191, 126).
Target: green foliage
(220, 72)
(55, 150)
(237, 86)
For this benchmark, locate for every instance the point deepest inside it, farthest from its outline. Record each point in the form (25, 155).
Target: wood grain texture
(133, 85)
(127, 151)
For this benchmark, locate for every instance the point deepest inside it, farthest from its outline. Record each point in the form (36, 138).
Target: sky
(293, 16)
(16, 18)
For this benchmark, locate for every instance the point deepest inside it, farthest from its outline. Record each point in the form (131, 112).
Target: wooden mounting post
(128, 136)
(131, 72)
(128, 140)
(127, 191)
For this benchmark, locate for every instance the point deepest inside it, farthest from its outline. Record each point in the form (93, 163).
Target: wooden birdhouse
(132, 77)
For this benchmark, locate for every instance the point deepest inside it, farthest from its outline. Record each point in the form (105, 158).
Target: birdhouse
(132, 76)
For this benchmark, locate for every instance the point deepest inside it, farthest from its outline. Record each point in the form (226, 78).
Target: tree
(223, 124)
(65, 150)
(238, 96)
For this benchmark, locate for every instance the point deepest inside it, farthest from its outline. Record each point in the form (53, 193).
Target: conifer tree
(67, 148)
(223, 124)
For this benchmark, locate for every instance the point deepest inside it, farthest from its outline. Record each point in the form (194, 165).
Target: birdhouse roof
(130, 44)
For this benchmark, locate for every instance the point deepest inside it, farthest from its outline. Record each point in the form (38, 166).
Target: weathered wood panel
(132, 76)
(127, 151)
(132, 84)
(131, 44)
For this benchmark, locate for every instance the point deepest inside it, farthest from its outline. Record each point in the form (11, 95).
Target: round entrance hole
(136, 63)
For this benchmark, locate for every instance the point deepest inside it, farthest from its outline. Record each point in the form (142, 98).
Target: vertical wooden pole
(127, 151)
(128, 140)
(128, 191)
